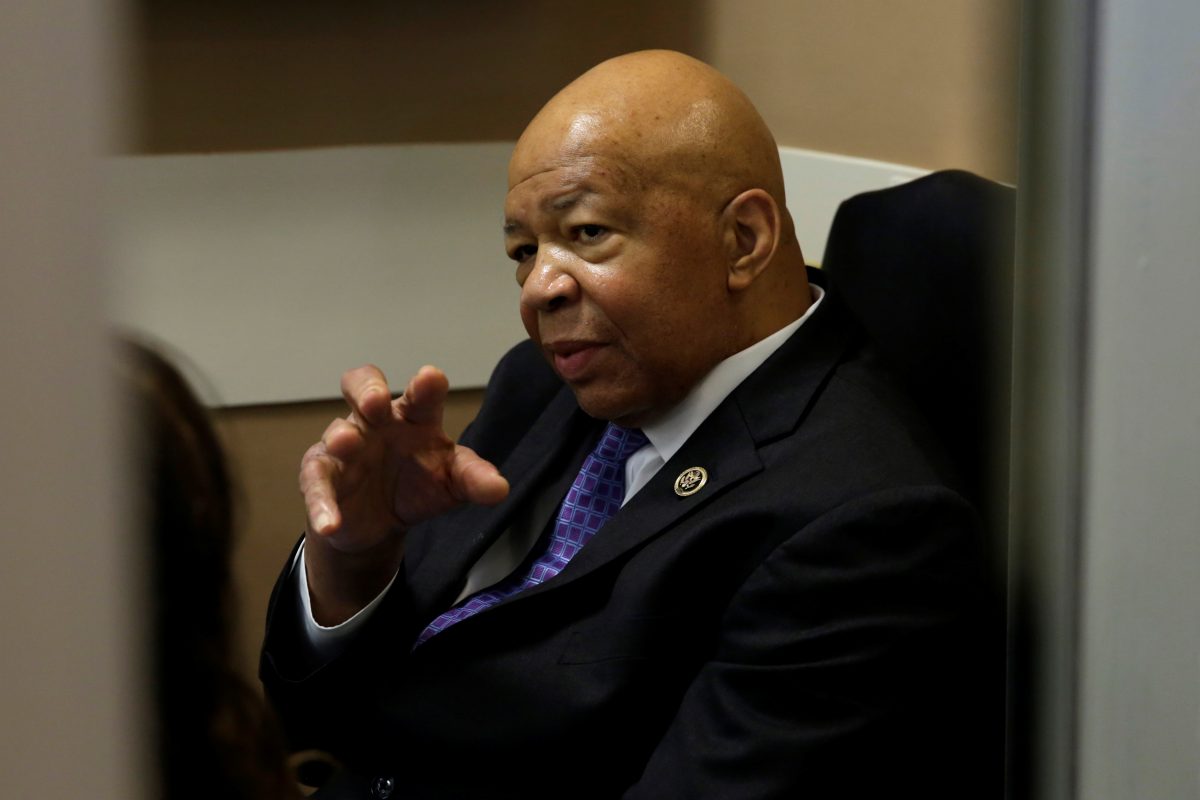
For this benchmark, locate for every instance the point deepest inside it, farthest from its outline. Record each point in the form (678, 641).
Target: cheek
(529, 318)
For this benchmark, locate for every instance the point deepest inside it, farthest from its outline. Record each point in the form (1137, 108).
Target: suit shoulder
(881, 438)
(521, 374)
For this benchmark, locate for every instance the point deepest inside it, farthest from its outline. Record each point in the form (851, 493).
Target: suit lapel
(545, 460)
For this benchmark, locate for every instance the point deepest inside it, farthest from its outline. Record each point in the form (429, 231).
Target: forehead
(562, 138)
(560, 184)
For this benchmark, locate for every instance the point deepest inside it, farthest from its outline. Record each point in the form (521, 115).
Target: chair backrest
(926, 268)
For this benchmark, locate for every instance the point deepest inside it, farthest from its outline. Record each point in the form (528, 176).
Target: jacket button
(382, 788)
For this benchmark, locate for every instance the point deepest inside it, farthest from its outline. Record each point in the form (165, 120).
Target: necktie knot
(617, 444)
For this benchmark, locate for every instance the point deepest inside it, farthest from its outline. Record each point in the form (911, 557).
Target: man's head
(646, 214)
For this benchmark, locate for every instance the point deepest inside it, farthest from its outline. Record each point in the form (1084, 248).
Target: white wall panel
(275, 271)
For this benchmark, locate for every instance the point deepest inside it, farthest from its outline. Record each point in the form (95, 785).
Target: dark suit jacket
(807, 625)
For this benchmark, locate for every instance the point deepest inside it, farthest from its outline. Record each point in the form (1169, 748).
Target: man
(755, 580)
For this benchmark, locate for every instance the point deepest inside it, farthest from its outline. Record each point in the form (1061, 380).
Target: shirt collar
(668, 433)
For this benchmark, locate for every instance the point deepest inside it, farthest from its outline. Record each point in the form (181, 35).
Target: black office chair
(926, 268)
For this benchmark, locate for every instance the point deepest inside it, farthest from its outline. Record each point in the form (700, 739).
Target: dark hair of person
(215, 736)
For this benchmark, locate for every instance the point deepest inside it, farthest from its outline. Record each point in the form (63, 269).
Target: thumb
(476, 479)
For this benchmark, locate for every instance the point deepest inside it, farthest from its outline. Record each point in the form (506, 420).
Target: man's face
(623, 283)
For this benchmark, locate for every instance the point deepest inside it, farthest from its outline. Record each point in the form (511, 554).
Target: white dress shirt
(665, 436)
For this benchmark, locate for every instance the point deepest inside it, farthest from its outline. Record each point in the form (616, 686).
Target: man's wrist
(340, 584)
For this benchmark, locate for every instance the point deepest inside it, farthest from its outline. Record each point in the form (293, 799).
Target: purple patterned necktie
(592, 500)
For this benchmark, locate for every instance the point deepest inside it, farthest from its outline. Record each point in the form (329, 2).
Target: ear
(752, 231)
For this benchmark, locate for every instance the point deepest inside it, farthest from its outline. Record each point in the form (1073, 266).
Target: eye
(590, 234)
(523, 252)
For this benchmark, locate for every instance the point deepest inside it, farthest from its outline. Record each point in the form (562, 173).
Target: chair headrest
(925, 268)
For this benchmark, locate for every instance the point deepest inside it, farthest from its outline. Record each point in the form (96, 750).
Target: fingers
(359, 461)
(321, 465)
(317, 472)
(423, 402)
(424, 398)
(343, 439)
(476, 479)
(367, 393)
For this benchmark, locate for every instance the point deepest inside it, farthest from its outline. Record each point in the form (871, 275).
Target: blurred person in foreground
(695, 545)
(215, 737)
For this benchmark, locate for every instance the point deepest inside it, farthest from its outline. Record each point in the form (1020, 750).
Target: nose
(550, 284)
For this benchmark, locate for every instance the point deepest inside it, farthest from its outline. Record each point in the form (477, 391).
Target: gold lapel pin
(690, 481)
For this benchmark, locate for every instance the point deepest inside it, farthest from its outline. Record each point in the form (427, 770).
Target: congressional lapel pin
(690, 481)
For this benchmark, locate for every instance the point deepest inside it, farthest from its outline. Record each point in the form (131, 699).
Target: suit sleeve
(855, 661)
(315, 698)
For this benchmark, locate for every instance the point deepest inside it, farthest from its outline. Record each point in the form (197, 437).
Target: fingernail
(324, 520)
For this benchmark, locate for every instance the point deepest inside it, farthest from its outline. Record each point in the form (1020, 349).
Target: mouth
(571, 359)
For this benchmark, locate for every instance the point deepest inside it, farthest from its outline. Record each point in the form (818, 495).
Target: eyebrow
(567, 201)
(558, 204)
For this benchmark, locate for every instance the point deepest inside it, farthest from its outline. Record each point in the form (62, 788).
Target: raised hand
(385, 467)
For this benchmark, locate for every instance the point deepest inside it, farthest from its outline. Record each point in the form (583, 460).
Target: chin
(625, 410)
(604, 405)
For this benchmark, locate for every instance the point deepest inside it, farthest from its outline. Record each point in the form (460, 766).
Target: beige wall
(930, 83)
(219, 76)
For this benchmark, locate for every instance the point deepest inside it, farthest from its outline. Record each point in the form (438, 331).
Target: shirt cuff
(326, 643)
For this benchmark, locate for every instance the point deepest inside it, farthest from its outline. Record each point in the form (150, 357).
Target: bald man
(694, 545)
